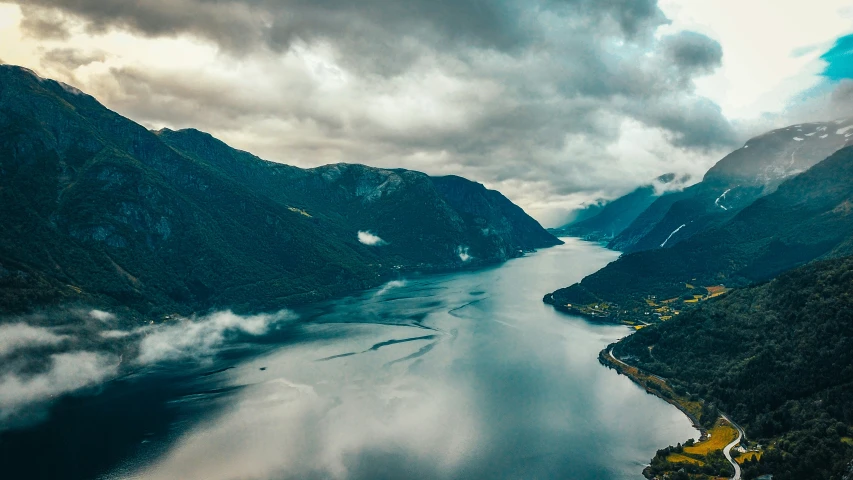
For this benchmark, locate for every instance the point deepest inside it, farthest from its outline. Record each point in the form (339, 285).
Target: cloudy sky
(553, 102)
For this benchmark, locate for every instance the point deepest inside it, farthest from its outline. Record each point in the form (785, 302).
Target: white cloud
(390, 286)
(771, 48)
(20, 335)
(101, 315)
(368, 238)
(199, 337)
(114, 334)
(68, 372)
(551, 121)
(451, 104)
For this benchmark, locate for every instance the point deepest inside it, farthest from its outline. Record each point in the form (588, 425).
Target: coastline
(658, 387)
(606, 358)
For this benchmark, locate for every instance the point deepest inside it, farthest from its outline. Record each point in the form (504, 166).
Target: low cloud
(101, 315)
(200, 337)
(390, 286)
(82, 348)
(21, 395)
(368, 238)
(672, 183)
(20, 336)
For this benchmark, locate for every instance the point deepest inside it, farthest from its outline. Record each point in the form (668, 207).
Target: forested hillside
(776, 357)
(748, 173)
(100, 210)
(617, 215)
(809, 217)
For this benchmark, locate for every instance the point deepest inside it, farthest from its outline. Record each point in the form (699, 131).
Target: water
(467, 375)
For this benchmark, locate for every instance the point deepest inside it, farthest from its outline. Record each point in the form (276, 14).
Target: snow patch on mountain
(671, 234)
(721, 197)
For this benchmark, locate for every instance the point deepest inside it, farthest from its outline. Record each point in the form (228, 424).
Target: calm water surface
(456, 376)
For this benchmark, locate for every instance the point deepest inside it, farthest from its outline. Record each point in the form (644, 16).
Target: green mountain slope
(422, 219)
(777, 357)
(95, 208)
(808, 217)
(748, 173)
(617, 215)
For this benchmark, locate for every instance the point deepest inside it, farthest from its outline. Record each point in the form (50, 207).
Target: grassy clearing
(748, 456)
(700, 456)
(716, 291)
(720, 435)
(693, 408)
(680, 458)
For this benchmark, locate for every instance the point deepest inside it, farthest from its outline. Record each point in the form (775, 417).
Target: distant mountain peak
(771, 157)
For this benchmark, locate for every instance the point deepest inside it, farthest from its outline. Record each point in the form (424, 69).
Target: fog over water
(466, 375)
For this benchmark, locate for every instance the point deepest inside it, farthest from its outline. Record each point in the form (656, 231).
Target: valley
(442, 376)
(227, 292)
(174, 307)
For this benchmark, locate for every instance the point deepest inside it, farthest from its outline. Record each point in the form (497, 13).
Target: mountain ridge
(738, 179)
(808, 217)
(615, 216)
(100, 210)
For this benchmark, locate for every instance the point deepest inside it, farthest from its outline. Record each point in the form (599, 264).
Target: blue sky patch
(839, 59)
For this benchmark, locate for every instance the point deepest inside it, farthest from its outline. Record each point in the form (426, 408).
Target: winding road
(727, 450)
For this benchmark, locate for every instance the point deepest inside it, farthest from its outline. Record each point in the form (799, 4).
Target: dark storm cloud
(44, 23)
(693, 51)
(71, 58)
(697, 124)
(533, 91)
(241, 23)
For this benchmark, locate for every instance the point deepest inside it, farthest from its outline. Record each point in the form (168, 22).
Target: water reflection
(457, 376)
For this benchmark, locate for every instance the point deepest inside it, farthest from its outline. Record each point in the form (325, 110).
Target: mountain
(617, 215)
(461, 214)
(777, 358)
(809, 216)
(97, 209)
(580, 214)
(748, 173)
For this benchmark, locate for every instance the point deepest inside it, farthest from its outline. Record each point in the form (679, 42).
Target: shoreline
(664, 392)
(606, 358)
